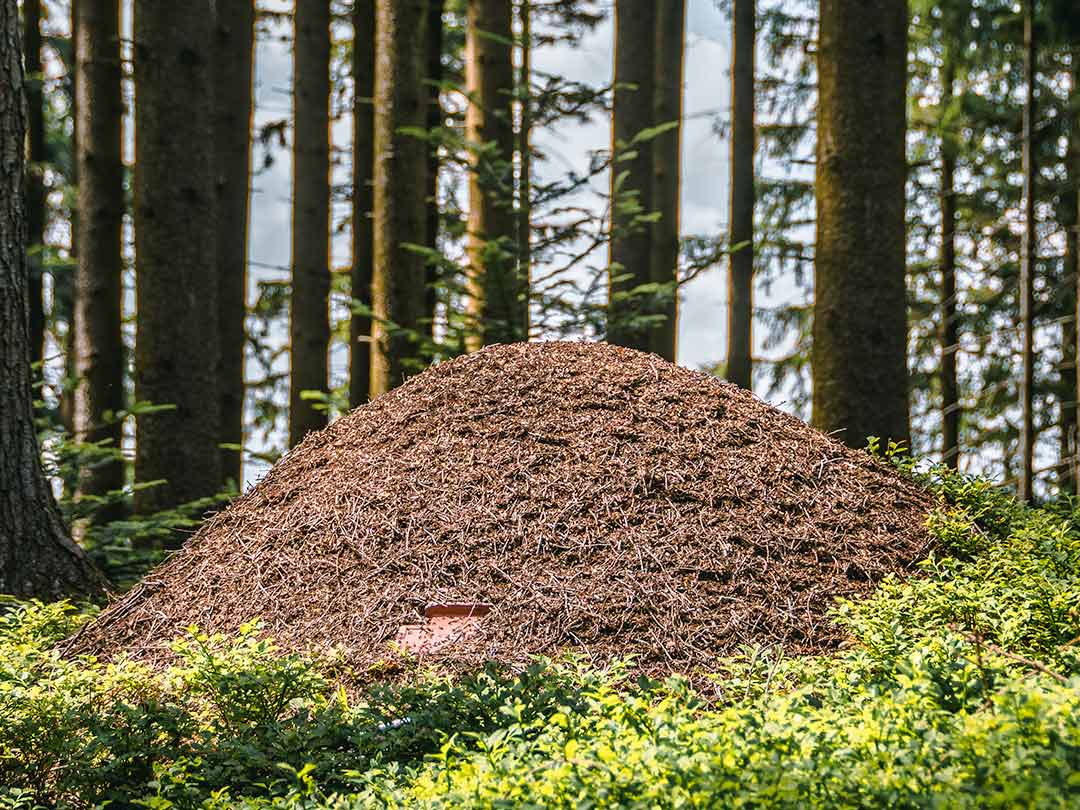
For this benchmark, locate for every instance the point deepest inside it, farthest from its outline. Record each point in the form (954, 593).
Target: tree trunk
(524, 146)
(741, 239)
(496, 295)
(631, 172)
(434, 72)
(37, 558)
(1071, 374)
(399, 192)
(363, 165)
(233, 58)
(35, 190)
(63, 304)
(99, 344)
(950, 338)
(860, 317)
(176, 341)
(666, 164)
(1028, 249)
(309, 314)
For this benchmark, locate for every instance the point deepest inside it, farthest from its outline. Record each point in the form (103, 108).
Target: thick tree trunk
(399, 191)
(363, 166)
(666, 164)
(950, 337)
(99, 345)
(309, 314)
(233, 60)
(524, 147)
(496, 295)
(1028, 250)
(176, 342)
(35, 190)
(37, 558)
(631, 172)
(434, 75)
(860, 319)
(741, 238)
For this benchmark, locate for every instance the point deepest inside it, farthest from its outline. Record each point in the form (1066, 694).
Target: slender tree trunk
(631, 173)
(363, 166)
(950, 338)
(496, 295)
(309, 314)
(99, 344)
(860, 318)
(399, 191)
(666, 164)
(35, 192)
(176, 341)
(233, 62)
(1028, 249)
(741, 240)
(434, 72)
(37, 558)
(524, 206)
(63, 303)
(1071, 376)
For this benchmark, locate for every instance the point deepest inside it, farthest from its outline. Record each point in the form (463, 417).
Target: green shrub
(961, 688)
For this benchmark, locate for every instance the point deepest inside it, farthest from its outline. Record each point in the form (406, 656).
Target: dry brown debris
(602, 500)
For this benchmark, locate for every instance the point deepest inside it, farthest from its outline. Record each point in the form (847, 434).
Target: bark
(35, 191)
(309, 314)
(524, 146)
(950, 338)
(233, 59)
(176, 351)
(860, 374)
(98, 342)
(631, 175)
(496, 296)
(434, 74)
(1028, 249)
(399, 191)
(666, 164)
(363, 166)
(741, 239)
(37, 558)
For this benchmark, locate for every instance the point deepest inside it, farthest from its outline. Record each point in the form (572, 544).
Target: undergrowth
(960, 688)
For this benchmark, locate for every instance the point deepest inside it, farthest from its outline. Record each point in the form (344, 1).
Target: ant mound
(538, 498)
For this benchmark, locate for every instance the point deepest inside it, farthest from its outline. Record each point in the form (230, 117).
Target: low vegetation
(961, 688)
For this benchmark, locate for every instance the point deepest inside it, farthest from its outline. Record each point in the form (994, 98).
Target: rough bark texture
(666, 165)
(35, 187)
(309, 314)
(741, 238)
(950, 338)
(496, 295)
(524, 146)
(434, 75)
(399, 190)
(99, 346)
(1028, 250)
(363, 167)
(37, 558)
(860, 320)
(631, 176)
(233, 59)
(176, 351)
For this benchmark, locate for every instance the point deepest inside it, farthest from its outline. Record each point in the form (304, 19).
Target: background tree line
(914, 168)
